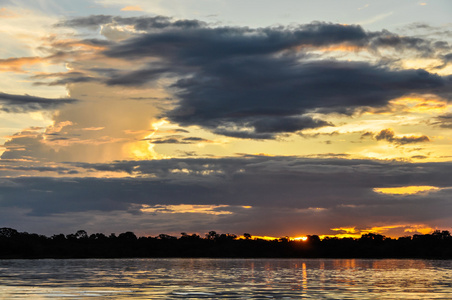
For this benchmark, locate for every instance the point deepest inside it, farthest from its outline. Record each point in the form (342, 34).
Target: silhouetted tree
(71, 236)
(81, 234)
(58, 237)
(372, 236)
(163, 236)
(441, 235)
(212, 235)
(14, 244)
(313, 239)
(127, 236)
(98, 236)
(8, 232)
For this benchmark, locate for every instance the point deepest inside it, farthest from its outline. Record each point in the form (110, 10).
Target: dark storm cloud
(138, 77)
(24, 103)
(251, 92)
(313, 34)
(389, 135)
(262, 82)
(266, 183)
(202, 45)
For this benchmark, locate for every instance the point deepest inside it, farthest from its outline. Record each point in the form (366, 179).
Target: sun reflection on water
(225, 278)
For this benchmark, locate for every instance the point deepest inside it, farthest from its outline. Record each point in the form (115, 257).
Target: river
(225, 279)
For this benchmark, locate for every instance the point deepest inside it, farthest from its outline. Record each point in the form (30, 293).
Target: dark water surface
(225, 279)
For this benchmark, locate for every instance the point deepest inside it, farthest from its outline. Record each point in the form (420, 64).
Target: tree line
(14, 244)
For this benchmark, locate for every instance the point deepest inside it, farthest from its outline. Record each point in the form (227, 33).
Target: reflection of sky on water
(225, 278)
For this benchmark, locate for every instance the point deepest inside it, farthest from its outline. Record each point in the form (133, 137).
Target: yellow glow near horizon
(187, 208)
(406, 190)
(420, 228)
(393, 231)
(341, 236)
(272, 238)
(346, 229)
(267, 238)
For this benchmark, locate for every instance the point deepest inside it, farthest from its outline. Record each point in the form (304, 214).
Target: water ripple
(225, 279)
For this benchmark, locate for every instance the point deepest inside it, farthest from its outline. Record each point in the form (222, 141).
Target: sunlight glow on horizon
(407, 190)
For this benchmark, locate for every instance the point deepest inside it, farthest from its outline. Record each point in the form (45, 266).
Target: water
(225, 279)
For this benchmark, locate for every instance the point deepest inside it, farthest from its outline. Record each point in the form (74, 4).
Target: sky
(274, 118)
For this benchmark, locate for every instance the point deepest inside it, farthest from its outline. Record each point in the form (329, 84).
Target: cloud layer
(258, 83)
(337, 192)
(25, 103)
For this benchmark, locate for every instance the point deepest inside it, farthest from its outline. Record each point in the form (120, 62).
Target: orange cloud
(16, 64)
(6, 13)
(332, 48)
(132, 8)
(70, 44)
(93, 128)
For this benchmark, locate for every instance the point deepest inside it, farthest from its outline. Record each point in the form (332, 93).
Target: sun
(301, 238)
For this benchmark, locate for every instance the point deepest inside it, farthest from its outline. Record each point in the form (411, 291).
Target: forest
(23, 245)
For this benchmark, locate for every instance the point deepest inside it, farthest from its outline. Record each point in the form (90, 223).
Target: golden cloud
(132, 8)
(185, 208)
(407, 190)
(396, 230)
(16, 64)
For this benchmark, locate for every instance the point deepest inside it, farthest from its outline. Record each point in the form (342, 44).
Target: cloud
(407, 190)
(282, 192)
(444, 121)
(68, 80)
(139, 23)
(388, 135)
(132, 8)
(25, 103)
(177, 139)
(260, 83)
(92, 21)
(15, 64)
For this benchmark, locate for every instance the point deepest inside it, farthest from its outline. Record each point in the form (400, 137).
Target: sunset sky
(275, 118)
